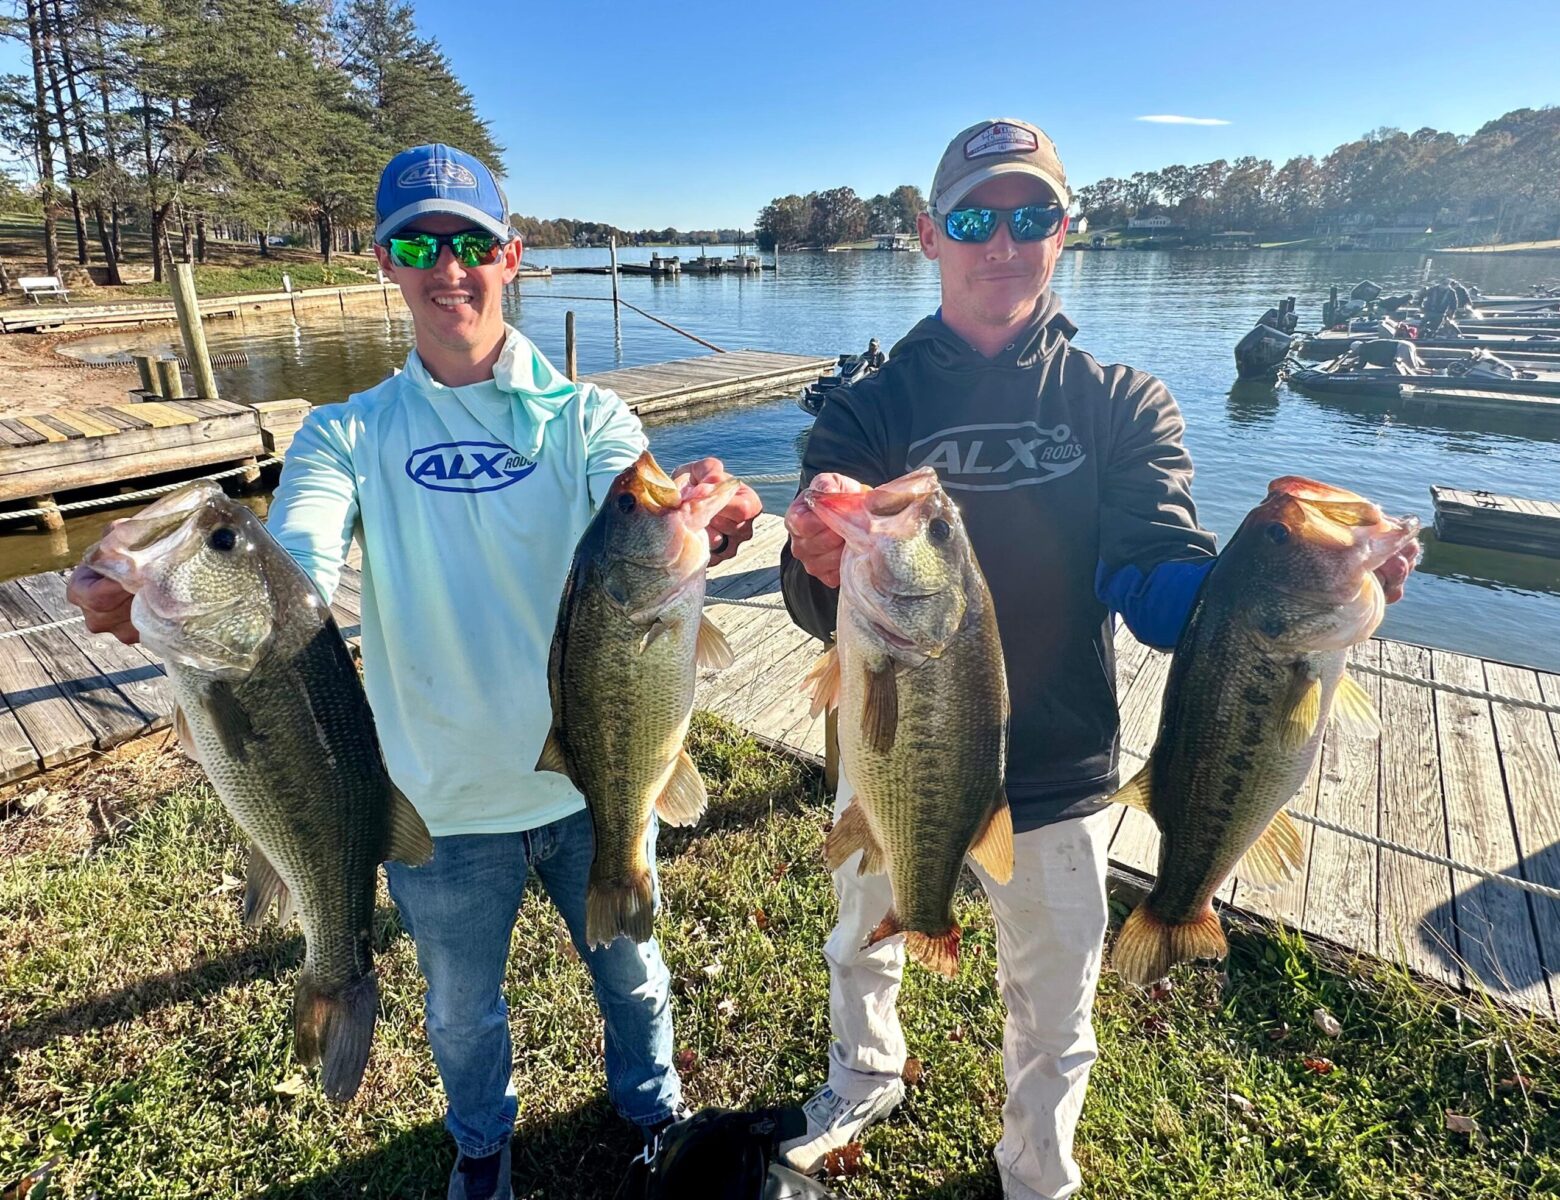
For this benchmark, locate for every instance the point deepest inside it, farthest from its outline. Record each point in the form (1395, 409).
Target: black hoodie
(1061, 468)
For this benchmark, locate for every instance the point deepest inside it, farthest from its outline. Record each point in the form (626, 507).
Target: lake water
(1175, 313)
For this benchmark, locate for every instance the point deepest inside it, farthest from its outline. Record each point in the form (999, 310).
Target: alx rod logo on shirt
(468, 466)
(997, 458)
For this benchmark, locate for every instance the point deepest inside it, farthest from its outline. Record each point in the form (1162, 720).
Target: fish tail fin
(336, 1031)
(936, 951)
(620, 908)
(1148, 945)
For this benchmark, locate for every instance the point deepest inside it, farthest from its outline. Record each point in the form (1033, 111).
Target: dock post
(171, 381)
(612, 248)
(148, 374)
(187, 305)
(50, 518)
(570, 349)
(777, 256)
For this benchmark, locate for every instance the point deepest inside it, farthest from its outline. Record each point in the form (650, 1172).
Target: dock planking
(728, 376)
(1480, 518)
(1471, 778)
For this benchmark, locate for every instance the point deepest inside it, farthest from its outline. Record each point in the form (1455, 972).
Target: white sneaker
(833, 1122)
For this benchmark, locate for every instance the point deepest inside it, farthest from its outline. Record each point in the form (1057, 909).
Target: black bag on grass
(718, 1154)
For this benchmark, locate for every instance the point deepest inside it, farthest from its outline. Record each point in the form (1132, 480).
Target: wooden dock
(1470, 779)
(1478, 518)
(730, 376)
(38, 318)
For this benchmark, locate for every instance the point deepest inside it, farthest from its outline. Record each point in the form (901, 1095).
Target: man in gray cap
(1074, 488)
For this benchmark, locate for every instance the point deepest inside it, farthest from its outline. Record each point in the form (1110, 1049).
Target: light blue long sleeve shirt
(468, 503)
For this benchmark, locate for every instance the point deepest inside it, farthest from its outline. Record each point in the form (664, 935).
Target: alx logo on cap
(1001, 138)
(434, 172)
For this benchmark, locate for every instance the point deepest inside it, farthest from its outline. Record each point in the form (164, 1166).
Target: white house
(1149, 223)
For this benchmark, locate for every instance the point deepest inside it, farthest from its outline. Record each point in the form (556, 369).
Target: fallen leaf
(687, 1061)
(727, 1008)
(228, 884)
(956, 1034)
(1515, 1083)
(760, 918)
(713, 969)
(977, 951)
(844, 1161)
(1458, 1123)
(828, 827)
(1160, 991)
(1155, 1024)
(1279, 1032)
(913, 1072)
(293, 1085)
(1326, 1022)
(1322, 1066)
(779, 872)
(1240, 1102)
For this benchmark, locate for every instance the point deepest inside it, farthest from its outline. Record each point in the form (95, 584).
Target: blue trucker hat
(439, 179)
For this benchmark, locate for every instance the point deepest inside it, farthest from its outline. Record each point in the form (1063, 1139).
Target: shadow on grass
(582, 1153)
(278, 952)
(982, 1184)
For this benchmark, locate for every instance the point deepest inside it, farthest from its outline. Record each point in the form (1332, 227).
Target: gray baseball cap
(1002, 146)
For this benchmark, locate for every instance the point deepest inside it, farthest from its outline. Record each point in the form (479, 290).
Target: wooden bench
(34, 286)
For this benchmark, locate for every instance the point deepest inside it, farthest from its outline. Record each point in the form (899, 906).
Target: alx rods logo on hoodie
(467, 467)
(998, 458)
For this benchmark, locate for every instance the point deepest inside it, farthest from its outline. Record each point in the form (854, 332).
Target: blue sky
(696, 114)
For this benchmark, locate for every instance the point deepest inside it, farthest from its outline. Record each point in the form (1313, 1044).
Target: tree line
(566, 231)
(1505, 177)
(183, 116)
(837, 215)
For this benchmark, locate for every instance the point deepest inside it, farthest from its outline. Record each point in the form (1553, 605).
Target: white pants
(1050, 927)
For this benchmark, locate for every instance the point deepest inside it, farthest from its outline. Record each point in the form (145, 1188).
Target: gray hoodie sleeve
(840, 441)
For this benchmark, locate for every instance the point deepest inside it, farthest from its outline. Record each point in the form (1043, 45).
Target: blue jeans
(460, 909)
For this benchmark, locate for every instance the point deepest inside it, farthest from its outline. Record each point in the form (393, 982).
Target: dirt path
(38, 380)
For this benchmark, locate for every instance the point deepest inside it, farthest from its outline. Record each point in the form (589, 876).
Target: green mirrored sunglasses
(471, 248)
(1031, 223)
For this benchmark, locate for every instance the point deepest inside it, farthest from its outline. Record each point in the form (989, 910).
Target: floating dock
(1478, 518)
(729, 376)
(1471, 779)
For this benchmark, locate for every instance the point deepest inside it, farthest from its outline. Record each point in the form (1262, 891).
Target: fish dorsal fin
(823, 681)
(1138, 791)
(993, 847)
(1302, 709)
(880, 714)
(852, 832)
(1274, 857)
(713, 652)
(551, 757)
(1354, 711)
(408, 841)
(186, 735)
(683, 799)
(263, 888)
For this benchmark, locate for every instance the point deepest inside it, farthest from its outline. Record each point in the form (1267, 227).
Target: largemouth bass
(270, 704)
(631, 633)
(1257, 673)
(917, 673)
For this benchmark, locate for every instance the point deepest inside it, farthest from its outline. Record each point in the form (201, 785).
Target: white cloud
(1172, 119)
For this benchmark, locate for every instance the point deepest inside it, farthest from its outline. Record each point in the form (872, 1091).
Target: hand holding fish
(104, 603)
(733, 524)
(813, 543)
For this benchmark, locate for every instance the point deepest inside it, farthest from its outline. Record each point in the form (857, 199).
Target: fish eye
(625, 502)
(1277, 533)
(222, 539)
(939, 530)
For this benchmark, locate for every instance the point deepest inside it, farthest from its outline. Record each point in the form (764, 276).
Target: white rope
(40, 628)
(775, 605)
(129, 497)
(1425, 856)
(1456, 689)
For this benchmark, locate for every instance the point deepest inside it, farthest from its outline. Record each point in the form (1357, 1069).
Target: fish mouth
(131, 542)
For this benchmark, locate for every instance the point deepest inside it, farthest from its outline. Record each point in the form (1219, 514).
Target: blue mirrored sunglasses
(1031, 223)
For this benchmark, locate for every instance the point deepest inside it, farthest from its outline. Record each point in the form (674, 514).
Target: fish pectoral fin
(1354, 711)
(880, 714)
(1276, 856)
(408, 841)
(713, 652)
(657, 628)
(993, 846)
(853, 832)
(551, 757)
(1136, 792)
(263, 888)
(185, 734)
(1302, 710)
(682, 801)
(823, 682)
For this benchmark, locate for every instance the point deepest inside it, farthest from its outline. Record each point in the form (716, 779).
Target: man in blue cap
(467, 478)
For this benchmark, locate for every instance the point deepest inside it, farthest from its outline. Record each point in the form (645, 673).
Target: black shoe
(485, 1178)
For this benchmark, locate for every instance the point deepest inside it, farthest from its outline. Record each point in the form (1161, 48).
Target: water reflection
(1497, 570)
(1253, 402)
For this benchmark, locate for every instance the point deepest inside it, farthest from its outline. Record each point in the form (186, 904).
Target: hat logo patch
(1001, 139)
(432, 174)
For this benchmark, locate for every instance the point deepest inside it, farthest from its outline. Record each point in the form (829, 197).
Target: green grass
(263, 276)
(143, 1031)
